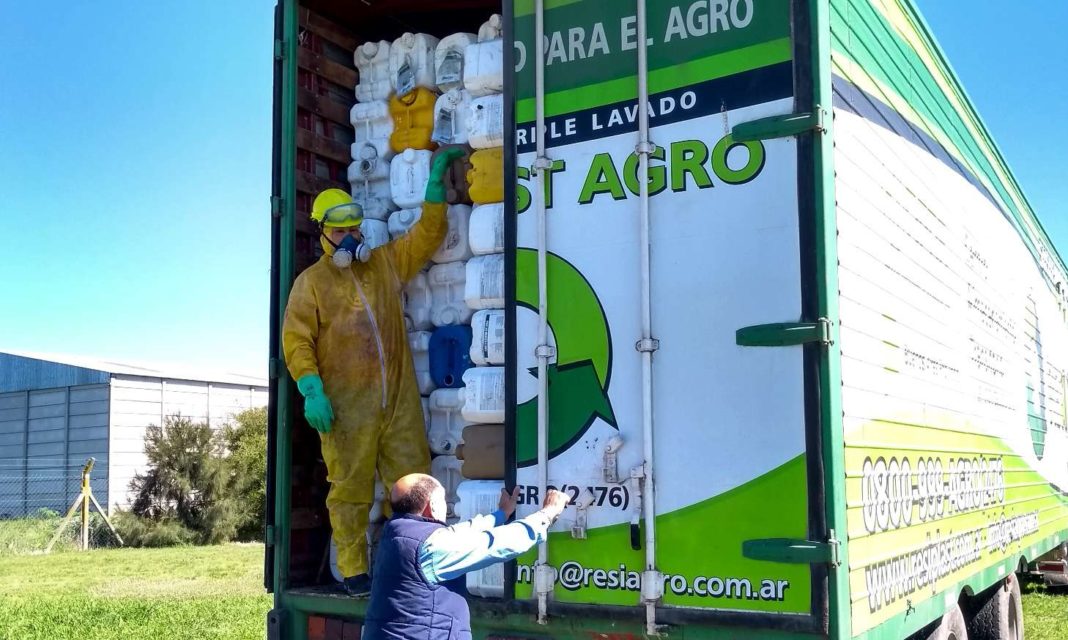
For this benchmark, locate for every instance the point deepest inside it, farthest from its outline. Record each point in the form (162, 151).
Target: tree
(245, 441)
(189, 481)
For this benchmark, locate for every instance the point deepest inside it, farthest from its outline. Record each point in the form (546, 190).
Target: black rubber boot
(358, 586)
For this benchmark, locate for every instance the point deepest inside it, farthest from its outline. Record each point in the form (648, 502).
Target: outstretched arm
(454, 551)
(410, 252)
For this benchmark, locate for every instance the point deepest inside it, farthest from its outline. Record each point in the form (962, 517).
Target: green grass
(23, 536)
(1045, 612)
(209, 593)
(201, 593)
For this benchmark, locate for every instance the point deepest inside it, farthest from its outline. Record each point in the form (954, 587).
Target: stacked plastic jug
(480, 453)
(417, 95)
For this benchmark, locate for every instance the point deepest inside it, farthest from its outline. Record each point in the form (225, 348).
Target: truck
(778, 316)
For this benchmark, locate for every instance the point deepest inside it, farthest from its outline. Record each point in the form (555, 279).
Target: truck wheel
(950, 627)
(1000, 612)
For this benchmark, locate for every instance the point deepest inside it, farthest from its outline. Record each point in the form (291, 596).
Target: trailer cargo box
(776, 314)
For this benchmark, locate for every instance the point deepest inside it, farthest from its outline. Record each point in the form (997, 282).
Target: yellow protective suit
(347, 326)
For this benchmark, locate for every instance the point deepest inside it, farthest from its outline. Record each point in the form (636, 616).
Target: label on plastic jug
(444, 131)
(405, 78)
(485, 127)
(484, 395)
(490, 392)
(451, 69)
(488, 345)
(491, 285)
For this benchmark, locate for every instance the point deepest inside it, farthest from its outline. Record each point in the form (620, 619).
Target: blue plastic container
(450, 356)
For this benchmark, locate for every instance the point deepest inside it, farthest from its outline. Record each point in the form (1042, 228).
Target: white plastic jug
(491, 29)
(485, 122)
(372, 61)
(419, 343)
(484, 395)
(487, 337)
(373, 125)
(446, 469)
(375, 233)
(474, 498)
(368, 177)
(426, 415)
(446, 421)
(418, 303)
(486, 229)
(400, 222)
(368, 164)
(376, 512)
(484, 67)
(447, 292)
(408, 175)
(450, 117)
(449, 60)
(455, 247)
(484, 282)
(369, 180)
(411, 62)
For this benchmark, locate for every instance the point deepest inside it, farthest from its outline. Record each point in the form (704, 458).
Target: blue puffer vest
(404, 605)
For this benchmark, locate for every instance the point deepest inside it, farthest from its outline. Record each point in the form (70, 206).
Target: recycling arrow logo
(578, 381)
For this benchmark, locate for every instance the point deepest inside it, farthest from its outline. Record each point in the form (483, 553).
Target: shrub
(189, 482)
(138, 531)
(245, 442)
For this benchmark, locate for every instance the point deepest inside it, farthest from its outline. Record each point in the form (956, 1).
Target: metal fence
(43, 507)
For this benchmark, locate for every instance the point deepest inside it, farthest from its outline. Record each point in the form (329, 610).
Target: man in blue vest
(418, 586)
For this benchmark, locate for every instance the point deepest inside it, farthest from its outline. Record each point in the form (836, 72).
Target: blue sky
(134, 179)
(1013, 60)
(135, 164)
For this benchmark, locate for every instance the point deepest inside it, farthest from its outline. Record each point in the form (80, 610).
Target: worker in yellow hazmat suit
(346, 345)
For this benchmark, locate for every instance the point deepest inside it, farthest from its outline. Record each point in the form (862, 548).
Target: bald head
(412, 493)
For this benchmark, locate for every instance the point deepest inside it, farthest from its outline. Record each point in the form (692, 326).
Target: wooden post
(86, 490)
(85, 499)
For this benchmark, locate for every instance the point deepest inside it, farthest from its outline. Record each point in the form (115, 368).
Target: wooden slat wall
(326, 78)
(326, 92)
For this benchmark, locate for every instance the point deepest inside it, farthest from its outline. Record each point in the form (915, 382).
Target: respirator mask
(349, 250)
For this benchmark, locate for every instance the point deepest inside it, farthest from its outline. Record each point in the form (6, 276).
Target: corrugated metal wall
(137, 403)
(45, 437)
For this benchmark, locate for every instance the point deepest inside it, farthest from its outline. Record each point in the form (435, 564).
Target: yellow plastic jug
(486, 176)
(413, 120)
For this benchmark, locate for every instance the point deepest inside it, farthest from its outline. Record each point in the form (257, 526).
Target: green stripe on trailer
(622, 89)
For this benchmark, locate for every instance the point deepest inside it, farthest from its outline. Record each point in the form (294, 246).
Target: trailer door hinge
(782, 126)
(268, 535)
(274, 368)
(276, 206)
(793, 551)
(785, 334)
(279, 50)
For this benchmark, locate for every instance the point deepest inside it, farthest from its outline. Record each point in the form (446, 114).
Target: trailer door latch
(793, 551)
(782, 126)
(785, 334)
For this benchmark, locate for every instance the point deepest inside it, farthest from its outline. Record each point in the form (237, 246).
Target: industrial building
(57, 411)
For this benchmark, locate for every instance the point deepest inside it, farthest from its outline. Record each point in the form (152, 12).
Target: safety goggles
(348, 214)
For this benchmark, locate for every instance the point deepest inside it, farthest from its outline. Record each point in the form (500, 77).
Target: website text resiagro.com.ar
(573, 576)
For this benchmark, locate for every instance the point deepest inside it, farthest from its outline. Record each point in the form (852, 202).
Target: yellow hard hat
(334, 208)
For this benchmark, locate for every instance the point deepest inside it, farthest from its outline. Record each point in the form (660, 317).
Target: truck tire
(950, 627)
(999, 612)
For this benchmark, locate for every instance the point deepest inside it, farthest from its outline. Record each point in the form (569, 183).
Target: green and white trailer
(779, 317)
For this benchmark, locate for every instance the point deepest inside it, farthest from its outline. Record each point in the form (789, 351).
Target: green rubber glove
(317, 407)
(435, 187)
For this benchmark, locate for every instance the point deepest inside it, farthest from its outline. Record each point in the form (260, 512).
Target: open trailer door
(660, 353)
